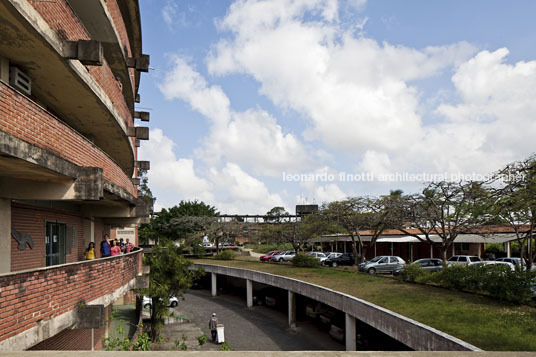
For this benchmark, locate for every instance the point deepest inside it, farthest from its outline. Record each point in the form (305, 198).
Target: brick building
(69, 78)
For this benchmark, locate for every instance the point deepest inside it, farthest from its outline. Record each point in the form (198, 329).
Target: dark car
(344, 259)
(430, 264)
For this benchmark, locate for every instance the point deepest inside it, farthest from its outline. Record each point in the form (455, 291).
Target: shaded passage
(257, 329)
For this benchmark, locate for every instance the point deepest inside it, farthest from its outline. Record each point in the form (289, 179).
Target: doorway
(55, 243)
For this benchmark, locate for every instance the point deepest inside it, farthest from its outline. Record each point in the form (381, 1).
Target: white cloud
(171, 174)
(242, 192)
(252, 138)
(354, 91)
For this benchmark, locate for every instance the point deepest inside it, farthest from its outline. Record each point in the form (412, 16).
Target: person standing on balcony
(213, 326)
(115, 250)
(90, 251)
(105, 246)
(128, 246)
(121, 245)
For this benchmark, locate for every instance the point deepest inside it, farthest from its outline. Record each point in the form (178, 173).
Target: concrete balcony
(87, 97)
(37, 304)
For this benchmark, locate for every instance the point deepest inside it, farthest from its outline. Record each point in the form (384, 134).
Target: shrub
(225, 347)
(202, 339)
(225, 255)
(413, 273)
(305, 260)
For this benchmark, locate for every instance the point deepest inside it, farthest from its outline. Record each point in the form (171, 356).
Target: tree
(160, 227)
(350, 215)
(445, 209)
(513, 193)
(169, 276)
(274, 215)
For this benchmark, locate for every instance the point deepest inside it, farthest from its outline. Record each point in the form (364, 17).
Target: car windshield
(375, 259)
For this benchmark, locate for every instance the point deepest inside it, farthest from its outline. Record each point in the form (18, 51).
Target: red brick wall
(26, 120)
(60, 17)
(117, 19)
(31, 220)
(26, 298)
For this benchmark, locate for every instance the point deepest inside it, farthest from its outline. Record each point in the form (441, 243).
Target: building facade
(69, 78)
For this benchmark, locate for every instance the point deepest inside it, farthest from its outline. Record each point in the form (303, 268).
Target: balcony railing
(31, 298)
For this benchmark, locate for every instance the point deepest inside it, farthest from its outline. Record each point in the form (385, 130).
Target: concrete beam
(249, 293)
(136, 181)
(141, 63)
(88, 52)
(90, 316)
(143, 116)
(291, 309)
(350, 333)
(144, 165)
(214, 284)
(138, 132)
(86, 187)
(5, 235)
(125, 222)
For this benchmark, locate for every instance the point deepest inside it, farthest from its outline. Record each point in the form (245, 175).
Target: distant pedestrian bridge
(410, 333)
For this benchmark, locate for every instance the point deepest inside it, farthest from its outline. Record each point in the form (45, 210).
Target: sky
(256, 104)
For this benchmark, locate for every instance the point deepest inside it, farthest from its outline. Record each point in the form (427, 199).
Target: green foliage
(197, 247)
(494, 248)
(169, 276)
(202, 339)
(225, 255)
(413, 273)
(225, 347)
(275, 214)
(122, 343)
(500, 282)
(305, 261)
(265, 248)
(160, 227)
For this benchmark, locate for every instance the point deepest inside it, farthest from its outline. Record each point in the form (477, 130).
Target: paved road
(256, 329)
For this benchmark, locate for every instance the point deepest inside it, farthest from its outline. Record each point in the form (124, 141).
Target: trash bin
(220, 338)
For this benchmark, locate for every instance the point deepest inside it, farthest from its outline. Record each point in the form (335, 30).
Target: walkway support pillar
(349, 322)
(249, 292)
(5, 235)
(291, 309)
(214, 289)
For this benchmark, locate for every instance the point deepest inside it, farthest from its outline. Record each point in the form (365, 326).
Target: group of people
(109, 247)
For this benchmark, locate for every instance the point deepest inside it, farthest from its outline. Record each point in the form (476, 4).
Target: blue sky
(262, 103)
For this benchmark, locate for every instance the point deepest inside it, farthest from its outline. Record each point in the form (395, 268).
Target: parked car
(343, 259)
(148, 302)
(314, 310)
(269, 255)
(463, 259)
(510, 266)
(336, 327)
(383, 264)
(333, 255)
(283, 256)
(429, 264)
(319, 255)
(513, 260)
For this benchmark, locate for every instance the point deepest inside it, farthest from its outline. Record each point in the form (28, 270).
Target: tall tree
(513, 191)
(350, 215)
(169, 276)
(275, 214)
(444, 209)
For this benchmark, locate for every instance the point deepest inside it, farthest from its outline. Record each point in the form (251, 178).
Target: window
(393, 260)
(383, 261)
(55, 247)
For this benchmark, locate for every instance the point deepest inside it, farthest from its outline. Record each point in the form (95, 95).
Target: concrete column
(508, 249)
(4, 69)
(349, 329)
(214, 284)
(5, 235)
(291, 309)
(89, 232)
(249, 292)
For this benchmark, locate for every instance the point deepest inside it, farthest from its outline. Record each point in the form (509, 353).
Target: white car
(147, 302)
(463, 260)
(319, 255)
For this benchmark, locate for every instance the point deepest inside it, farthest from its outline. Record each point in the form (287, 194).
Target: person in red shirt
(115, 250)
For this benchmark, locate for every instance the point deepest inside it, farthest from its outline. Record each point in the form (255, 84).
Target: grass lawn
(479, 320)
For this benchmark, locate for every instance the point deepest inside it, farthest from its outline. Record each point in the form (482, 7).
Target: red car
(269, 255)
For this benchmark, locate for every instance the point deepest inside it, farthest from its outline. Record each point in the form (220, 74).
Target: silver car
(463, 259)
(382, 264)
(284, 256)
